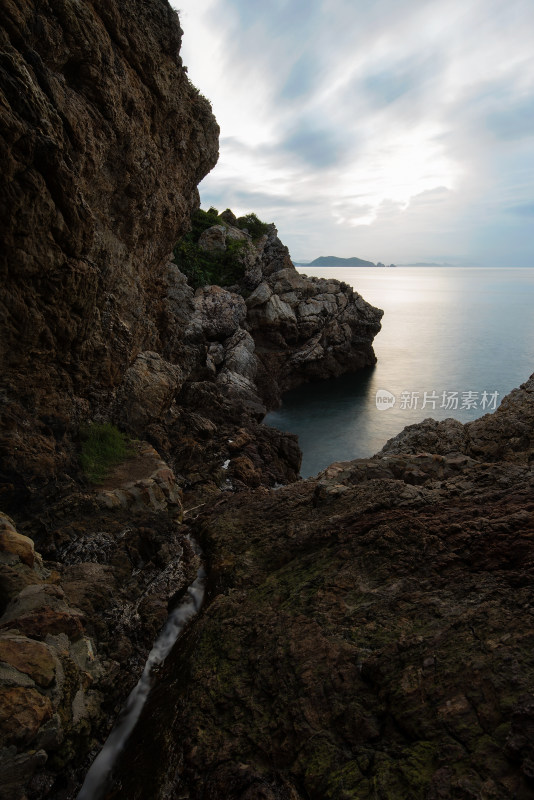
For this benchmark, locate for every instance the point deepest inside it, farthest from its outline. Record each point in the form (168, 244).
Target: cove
(444, 330)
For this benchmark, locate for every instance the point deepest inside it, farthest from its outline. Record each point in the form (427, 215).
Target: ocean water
(463, 336)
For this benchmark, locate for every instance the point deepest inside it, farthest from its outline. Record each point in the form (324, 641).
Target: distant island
(334, 261)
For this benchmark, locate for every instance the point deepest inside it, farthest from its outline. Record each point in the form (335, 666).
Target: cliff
(104, 141)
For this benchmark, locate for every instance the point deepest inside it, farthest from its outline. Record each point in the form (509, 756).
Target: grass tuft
(103, 446)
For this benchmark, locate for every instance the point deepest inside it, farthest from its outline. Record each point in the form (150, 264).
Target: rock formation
(104, 141)
(371, 637)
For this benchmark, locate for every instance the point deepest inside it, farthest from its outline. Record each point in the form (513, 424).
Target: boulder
(22, 712)
(31, 657)
(218, 312)
(259, 296)
(148, 390)
(213, 239)
(15, 543)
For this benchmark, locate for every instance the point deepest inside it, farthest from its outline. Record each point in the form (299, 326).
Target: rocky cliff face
(366, 633)
(273, 330)
(104, 141)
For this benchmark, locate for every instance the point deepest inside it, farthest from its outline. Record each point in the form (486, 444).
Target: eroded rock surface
(370, 634)
(104, 143)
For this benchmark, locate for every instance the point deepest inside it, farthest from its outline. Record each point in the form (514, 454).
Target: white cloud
(392, 130)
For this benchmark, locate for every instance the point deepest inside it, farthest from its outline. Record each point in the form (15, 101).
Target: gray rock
(213, 239)
(259, 296)
(277, 311)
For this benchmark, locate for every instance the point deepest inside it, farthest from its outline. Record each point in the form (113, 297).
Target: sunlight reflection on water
(444, 329)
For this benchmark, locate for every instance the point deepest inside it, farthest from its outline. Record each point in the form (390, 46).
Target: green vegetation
(222, 267)
(103, 446)
(254, 226)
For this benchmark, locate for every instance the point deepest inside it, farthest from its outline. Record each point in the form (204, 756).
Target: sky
(393, 130)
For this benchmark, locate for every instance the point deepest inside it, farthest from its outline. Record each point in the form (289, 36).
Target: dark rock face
(369, 635)
(104, 143)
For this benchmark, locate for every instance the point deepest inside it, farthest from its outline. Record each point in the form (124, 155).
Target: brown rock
(22, 712)
(213, 239)
(40, 610)
(15, 543)
(30, 657)
(104, 143)
(243, 469)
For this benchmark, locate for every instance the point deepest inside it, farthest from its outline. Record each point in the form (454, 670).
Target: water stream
(97, 778)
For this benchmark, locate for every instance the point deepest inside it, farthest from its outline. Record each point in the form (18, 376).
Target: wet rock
(371, 633)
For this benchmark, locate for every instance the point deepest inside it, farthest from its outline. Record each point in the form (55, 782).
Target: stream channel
(98, 776)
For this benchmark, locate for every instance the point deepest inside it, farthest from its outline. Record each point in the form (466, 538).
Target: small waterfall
(97, 778)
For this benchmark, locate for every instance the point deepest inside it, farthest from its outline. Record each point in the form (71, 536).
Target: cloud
(524, 210)
(302, 78)
(315, 144)
(399, 127)
(514, 122)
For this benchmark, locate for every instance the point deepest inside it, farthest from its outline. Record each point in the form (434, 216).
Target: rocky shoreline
(365, 633)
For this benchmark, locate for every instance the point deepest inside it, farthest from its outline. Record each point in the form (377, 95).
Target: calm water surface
(444, 330)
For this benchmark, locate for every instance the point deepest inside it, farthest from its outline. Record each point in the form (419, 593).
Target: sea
(454, 342)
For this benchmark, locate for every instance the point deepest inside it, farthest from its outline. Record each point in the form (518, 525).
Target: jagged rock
(39, 610)
(371, 636)
(240, 355)
(429, 436)
(219, 313)
(259, 296)
(22, 712)
(277, 312)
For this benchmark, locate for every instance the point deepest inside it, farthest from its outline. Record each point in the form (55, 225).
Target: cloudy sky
(392, 130)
